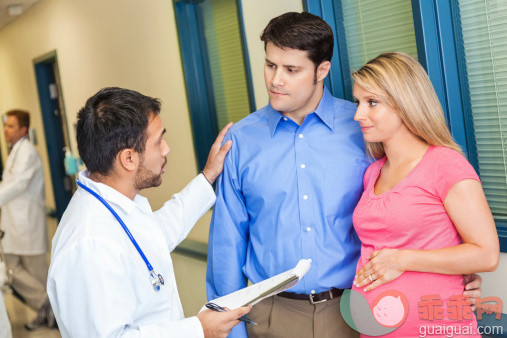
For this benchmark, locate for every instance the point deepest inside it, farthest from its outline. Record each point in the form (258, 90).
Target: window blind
(484, 27)
(373, 27)
(223, 40)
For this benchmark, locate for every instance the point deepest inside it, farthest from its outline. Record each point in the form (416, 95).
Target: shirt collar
(324, 111)
(114, 196)
(18, 142)
(274, 117)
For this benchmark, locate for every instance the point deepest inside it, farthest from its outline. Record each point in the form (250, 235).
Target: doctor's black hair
(112, 120)
(302, 31)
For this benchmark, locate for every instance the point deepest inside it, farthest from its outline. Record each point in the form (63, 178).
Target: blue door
(53, 128)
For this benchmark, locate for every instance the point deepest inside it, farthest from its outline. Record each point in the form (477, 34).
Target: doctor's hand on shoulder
(219, 324)
(216, 157)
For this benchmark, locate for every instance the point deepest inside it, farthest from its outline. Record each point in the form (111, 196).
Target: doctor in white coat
(99, 284)
(23, 218)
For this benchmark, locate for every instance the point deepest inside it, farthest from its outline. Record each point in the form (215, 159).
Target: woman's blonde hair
(401, 82)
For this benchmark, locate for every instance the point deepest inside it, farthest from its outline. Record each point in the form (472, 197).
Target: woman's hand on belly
(384, 266)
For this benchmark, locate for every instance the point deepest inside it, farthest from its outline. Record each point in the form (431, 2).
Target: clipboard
(253, 294)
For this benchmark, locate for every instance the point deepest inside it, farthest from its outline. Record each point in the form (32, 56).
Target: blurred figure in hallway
(5, 326)
(23, 219)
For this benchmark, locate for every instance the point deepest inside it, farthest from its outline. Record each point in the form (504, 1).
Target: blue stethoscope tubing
(156, 280)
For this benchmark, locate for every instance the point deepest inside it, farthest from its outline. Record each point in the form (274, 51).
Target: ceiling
(5, 18)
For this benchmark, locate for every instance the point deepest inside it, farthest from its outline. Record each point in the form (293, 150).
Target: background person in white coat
(23, 218)
(98, 283)
(5, 325)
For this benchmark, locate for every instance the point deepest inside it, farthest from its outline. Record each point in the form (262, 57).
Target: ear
(128, 159)
(323, 70)
(25, 130)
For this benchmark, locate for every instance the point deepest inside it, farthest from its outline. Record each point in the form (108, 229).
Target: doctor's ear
(128, 159)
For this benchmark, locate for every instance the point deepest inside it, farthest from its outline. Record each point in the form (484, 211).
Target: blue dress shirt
(287, 192)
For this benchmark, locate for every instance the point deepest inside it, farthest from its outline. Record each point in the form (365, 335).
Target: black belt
(314, 298)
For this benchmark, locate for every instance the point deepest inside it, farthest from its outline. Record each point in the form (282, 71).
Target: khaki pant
(283, 317)
(30, 277)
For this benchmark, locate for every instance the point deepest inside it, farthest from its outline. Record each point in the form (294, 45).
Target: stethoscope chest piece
(156, 280)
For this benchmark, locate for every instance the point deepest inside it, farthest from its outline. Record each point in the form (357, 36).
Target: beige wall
(132, 44)
(494, 283)
(126, 43)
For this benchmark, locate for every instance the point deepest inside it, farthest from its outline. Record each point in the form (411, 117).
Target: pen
(218, 308)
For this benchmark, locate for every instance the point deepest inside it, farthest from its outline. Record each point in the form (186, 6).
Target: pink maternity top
(412, 216)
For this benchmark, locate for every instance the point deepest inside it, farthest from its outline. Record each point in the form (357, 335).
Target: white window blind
(484, 27)
(373, 27)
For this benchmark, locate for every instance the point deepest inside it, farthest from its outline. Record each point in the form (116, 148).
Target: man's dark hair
(112, 120)
(303, 31)
(22, 116)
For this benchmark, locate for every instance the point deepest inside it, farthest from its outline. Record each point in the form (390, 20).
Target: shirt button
(305, 197)
(308, 229)
(303, 166)
(300, 135)
(285, 119)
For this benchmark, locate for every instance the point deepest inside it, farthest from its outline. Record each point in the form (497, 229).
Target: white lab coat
(98, 283)
(23, 203)
(5, 325)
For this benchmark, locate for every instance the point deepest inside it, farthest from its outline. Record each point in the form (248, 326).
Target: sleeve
(181, 212)
(451, 167)
(90, 300)
(228, 237)
(23, 170)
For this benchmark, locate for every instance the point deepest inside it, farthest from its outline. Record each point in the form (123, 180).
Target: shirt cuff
(202, 173)
(208, 185)
(198, 326)
(187, 327)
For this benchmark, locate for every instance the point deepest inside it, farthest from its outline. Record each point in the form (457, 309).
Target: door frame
(61, 195)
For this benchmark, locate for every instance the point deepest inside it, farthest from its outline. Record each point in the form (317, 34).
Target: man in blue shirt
(289, 187)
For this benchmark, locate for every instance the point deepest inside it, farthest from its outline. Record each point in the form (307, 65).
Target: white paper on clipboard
(255, 293)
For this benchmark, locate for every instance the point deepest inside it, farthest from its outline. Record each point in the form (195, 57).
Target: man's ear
(323, 70)
(25, 130)
(128, 159)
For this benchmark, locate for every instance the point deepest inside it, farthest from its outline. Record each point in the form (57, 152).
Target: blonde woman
(423, 219)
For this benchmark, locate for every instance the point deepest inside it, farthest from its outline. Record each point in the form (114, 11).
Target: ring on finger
(371, 278)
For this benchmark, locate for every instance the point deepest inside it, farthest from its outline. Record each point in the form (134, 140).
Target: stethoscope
(156, 280)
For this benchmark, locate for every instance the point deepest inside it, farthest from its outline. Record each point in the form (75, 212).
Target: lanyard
(156, 280)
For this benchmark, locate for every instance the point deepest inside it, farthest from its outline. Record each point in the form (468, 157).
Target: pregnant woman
(423, 219)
